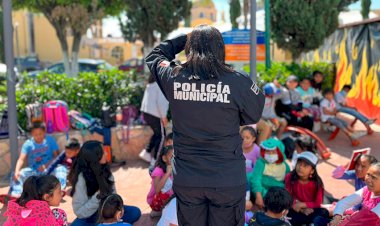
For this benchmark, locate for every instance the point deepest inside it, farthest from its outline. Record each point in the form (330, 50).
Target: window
(201, 15)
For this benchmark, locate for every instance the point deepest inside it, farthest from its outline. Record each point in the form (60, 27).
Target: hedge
(85, 93)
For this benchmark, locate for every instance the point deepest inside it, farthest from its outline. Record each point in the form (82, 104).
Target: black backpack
(4, 128)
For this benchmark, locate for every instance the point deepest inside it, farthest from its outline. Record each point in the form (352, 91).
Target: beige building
(203, 12)
(34, 35)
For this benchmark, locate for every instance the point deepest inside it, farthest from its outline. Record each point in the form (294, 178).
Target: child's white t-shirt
(330, 105)
(169, 214)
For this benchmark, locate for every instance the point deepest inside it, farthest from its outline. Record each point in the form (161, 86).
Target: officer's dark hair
(205, 53)
(346, 87)
(277, 199)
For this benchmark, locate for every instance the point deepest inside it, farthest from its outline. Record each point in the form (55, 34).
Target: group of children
(299, 194)
(278, 194)
(95, 201)
(305, 104)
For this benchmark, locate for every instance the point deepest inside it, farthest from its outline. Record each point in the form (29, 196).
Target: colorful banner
(356, 53)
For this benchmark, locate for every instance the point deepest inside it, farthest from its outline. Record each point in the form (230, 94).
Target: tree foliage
(366, 6)
(299, 26)
(145, 18)
(235, 12)
(74, 15)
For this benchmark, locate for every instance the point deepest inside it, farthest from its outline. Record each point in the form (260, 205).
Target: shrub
(85, 93)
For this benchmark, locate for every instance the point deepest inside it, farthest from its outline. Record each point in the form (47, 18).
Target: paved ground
(133, 182)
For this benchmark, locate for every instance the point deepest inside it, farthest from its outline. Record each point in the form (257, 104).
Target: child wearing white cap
(306, 188)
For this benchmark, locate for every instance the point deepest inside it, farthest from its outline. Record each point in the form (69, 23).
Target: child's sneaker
(146, 156)
(370, 121)
(358, 134)
(155, 214)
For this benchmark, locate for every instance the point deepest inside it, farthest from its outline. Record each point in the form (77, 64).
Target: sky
(111, 25)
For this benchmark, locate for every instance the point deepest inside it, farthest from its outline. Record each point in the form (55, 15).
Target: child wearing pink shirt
(162, 181)
(251, 150)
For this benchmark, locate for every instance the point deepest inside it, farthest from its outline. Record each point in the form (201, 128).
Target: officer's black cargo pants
(210, 206)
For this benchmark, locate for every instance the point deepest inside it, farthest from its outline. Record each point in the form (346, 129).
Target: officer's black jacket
(206, 117)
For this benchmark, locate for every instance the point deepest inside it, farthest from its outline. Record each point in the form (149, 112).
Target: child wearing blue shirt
(37, 153)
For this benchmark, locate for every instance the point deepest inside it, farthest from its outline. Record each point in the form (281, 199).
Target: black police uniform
(209, 166)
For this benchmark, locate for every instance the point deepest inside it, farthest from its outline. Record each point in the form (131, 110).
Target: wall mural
(355, 51)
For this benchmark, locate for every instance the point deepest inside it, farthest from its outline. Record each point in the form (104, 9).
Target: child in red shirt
(306, 188)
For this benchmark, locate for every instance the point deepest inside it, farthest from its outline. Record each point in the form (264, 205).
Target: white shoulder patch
(255, 89)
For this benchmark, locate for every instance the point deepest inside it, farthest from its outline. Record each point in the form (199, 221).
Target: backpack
(55, 116)
(4, 128)
(33, 113)
(80, 121)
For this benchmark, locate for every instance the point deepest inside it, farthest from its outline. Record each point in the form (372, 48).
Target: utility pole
(267, 35)
(253, 46)
(11, 81)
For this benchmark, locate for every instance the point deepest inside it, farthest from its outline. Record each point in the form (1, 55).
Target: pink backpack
(55, 116)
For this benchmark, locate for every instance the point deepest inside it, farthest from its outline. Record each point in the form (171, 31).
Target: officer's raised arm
(158, 61)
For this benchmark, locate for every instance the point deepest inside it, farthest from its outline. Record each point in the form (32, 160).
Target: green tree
(235, 12)
(146, 19)
(299, 26)
(366, 6)
(75, 16)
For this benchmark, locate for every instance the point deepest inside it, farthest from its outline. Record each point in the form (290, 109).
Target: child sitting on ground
(277, 202)
(368, 196)
(67, 157)
(328, 114)
(38, 152)
(251, 150)
(306, 188)
(362, 164)
(270, 169)
(269, 115)
(111, 211)
(162, 181)
(168, 142)
(340, 98)
(33, 206)
(92, 180)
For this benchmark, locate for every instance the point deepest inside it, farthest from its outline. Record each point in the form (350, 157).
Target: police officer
(208, 101)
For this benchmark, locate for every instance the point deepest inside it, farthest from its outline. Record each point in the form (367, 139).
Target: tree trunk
(75, 54)
(148, 47)
(246, 9)
(60, 30)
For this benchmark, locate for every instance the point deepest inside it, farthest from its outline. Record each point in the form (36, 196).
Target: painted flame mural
(355, 51)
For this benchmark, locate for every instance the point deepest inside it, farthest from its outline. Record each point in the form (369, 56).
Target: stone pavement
(133, 181)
